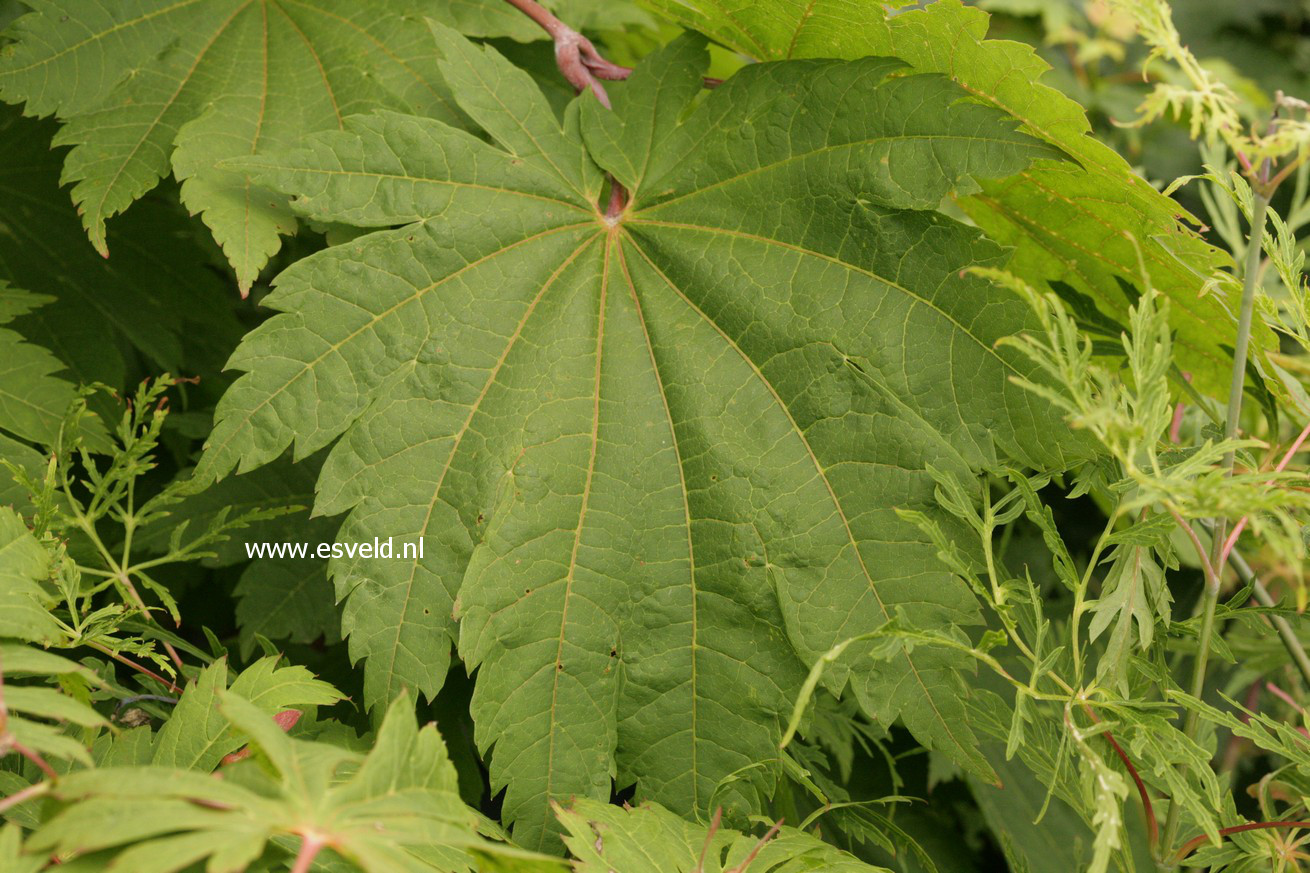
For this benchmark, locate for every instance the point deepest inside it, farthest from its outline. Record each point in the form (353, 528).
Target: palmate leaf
(1082, 222)
(198, 734)
(394, 810)
(650, 839)
(149, 86)
(1135, 595)
(654, 456)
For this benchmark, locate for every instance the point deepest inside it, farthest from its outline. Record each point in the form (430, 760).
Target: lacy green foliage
(1134, 598)
(149, 87)
(650, 839)
(1090, 222)
(1129, 416)
(552, 349)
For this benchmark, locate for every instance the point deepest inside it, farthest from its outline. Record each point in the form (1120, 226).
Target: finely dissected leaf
(278, 486)
(149, 86)
(1134, 593)
(24, 565)
(394, 810)
(1081, 223)
(154, 293)
(650, 839)
(198, 735)
(655, 457)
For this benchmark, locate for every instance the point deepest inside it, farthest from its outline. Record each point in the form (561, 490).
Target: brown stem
(1152, 826)
(141, 605)
(1148, 810)
(1282, 174)
(146, 671)
(577, 58)
(1196, 842)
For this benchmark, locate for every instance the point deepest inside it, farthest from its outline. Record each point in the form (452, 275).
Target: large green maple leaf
(1091, 223)
(654, 455)
(152, 86)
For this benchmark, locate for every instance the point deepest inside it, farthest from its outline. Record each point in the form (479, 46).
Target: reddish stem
(310, 845)
(754, 853)
(23, 796)
(584, 67)
(576, 57)
(1284, 696)
(1148, 810)
(1152, 826)
(709, 838)
(9, 741)
(33, 756)
(618, 199)
(1196, 842)
(1287, 457)
(145, 610)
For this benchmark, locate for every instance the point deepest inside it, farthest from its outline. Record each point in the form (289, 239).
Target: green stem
(1080, 594)
(1285, 631)
(1210, 597)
